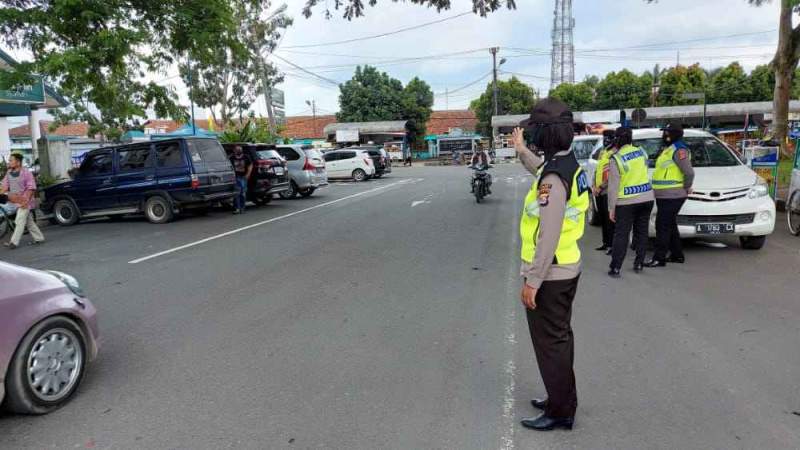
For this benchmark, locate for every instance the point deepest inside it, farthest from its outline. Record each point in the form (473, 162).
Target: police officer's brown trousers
(553, 343)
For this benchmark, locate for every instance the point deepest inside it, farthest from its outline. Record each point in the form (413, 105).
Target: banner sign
(27, 93)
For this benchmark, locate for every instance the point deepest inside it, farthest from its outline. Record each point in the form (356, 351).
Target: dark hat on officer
(623, 135)
(674, 130)
(548, 111)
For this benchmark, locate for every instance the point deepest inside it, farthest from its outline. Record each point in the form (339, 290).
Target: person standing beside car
(20, 185)
(243, 166)
(600, 190)
(630, 200)
(672, 184)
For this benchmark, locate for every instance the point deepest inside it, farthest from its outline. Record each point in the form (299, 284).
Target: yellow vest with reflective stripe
(667, 174)
(602, 164)
(567, 251)
(632, 165)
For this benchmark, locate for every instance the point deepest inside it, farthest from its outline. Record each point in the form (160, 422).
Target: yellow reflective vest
(667, 174)
(567, 251)
(602, 166)
(632, 165)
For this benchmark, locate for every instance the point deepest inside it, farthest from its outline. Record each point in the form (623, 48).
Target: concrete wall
(55, 158)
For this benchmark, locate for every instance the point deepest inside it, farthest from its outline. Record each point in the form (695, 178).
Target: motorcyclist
(480, 162)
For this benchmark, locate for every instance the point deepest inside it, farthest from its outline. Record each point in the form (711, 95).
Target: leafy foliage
(370, 96)
(513, 97)
(252, 130)
(623, 87)
(229, 82)
(355, 8)
(97, 52)
(578, 96)
(417, 108)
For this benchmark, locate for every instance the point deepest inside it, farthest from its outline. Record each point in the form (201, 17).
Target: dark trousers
(637, 218)
(553, 343)
(605, 222)
(667, 236)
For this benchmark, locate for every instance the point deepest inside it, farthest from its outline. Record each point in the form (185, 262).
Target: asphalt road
(386, 315)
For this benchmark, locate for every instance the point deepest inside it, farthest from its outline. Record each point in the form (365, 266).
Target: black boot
(539, 403)
(614, 273)
(545, 423)
(602, 248)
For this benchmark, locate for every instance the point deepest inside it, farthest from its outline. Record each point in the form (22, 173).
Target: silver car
(307, 170)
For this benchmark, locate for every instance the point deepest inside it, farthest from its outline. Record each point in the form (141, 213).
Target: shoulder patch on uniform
(682, 154)
(544, 194)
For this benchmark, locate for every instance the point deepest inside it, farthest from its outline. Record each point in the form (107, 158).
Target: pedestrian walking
(553, 220)
(243, 166)
(630, 200)
(600, 191)
(20, 186)
(672, 184)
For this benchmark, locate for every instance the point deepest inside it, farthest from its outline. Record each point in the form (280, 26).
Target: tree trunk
(784, 63)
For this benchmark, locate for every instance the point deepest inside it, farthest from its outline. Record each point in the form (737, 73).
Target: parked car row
(167, 177)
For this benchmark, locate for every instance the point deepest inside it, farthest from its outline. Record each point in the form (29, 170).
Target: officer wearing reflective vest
(630, 200)
(553, 220)
(600, 190)
(672, 184)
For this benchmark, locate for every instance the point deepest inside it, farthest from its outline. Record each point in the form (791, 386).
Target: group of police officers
(553, 220)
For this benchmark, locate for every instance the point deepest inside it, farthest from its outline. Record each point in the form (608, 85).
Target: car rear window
(705, 151)
(313, 153)
(206, 150)
(268, 154)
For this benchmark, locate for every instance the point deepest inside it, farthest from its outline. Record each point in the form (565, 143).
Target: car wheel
(291, 193)
(359, 175)
(158, 210)
(65, 212)
(307, 193)
(752, 242)
(263, 200)
(47, 367)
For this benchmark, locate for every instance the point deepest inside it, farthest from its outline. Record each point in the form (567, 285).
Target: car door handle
(107, 181)
(150, 178)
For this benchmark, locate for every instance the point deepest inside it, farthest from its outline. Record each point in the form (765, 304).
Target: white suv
(729, 199)
(355, 164)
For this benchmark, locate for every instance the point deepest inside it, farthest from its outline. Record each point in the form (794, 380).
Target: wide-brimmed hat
(548, 111)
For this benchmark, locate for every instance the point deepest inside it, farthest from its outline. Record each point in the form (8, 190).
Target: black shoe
(237, 211)
(676, 259)
(609, 251)
(614, 273)
(602, 248)
(539, 403)
(633, 246)
(655, 263)
(638, 267)
(545, 423)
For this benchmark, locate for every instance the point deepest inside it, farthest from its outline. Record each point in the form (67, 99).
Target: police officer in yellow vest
(630, 200)
(672, 184)
(553, 220)
(600, 190)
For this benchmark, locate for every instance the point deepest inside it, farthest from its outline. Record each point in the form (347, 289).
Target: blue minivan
(158, 178)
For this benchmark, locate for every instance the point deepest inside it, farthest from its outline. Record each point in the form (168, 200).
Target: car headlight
(760, 189)
(69, 281)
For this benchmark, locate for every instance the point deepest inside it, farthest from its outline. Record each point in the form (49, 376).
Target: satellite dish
(639, 115)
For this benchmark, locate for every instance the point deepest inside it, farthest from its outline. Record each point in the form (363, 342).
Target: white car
(354, 164)
(729, 199)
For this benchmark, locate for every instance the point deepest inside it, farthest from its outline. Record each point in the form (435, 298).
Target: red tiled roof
(442, 121)
(307, 127)
(77, 129)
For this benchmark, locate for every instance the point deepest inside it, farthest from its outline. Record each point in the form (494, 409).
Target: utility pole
(268, 100)
(191, 93)
(313, 104)
(493, 50)
(446, 99)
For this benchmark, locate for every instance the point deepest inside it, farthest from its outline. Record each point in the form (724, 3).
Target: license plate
(278, 170)
(715, 228)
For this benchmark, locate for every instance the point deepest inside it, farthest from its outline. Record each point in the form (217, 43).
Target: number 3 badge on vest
(544, 194)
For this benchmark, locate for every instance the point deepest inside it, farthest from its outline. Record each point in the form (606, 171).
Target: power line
(388, 33)
(333, 82)
(441, 94)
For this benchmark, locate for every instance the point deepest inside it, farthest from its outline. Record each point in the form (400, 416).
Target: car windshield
(268, 154)
(706, 151)
(583, 148)
(313, 153)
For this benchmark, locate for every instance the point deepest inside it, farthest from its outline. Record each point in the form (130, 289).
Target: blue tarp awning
(184, 131)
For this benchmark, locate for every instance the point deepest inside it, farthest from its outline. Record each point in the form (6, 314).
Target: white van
(729, 198)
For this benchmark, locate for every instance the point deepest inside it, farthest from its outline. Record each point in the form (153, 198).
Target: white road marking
(274, 219)
(426, 199)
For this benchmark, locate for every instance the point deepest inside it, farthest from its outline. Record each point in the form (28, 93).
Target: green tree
(729, 84)
(230, 81)
(369, 96)
(678, 81)
(578, 96)
(97, 53)
(514, 97)
(417, 108)
(623, 89)
(762, 83)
